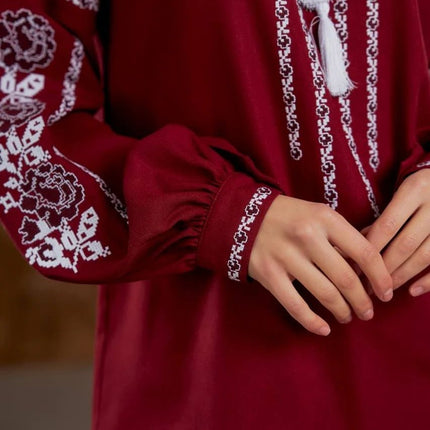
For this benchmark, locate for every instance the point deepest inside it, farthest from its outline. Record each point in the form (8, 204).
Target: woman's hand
(304, 240)
(405, 226)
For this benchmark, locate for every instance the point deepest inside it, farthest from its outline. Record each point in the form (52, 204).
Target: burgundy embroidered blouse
(141, 145)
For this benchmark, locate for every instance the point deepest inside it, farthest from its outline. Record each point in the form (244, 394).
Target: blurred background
(46, 348)
(47, 339)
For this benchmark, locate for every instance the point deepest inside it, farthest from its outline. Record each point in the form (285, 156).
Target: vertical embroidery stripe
(287, 78)
(372, 25)
(341, 8)
(325, 136)
(69, 84)
(240, 237)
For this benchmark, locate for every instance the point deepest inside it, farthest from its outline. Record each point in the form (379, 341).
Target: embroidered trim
(423, 164)
(286, 71)
(372, 25)
(48, 196)
(325, 137)
(69, 85)
(240, 236)
(341, 8)
(116, 202)
(86, 4)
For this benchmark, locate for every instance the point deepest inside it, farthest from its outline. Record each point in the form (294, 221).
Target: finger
(286, 294)
(421, 286)
(364, 230)
(407, 242)
(419, 261)
(343, 235)
(321, 288)
(401, 207)
(352, 263)
(342, 277)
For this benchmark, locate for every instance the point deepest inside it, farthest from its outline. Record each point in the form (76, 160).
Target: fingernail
(388, 295)
(416, 291)
(324, 330)
(346, 320)
(368, 314)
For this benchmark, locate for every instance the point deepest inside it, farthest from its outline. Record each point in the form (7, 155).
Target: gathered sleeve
(87, 205)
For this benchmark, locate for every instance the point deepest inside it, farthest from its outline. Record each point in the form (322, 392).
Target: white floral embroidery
(241, 237)
(86, 4)
(423, 164)
(19, 105)
(372, 25)
(325, 136)
(287, 78)
(69, 84)
(116, 202)
(341, 8)
(48, 196)
(26, 41)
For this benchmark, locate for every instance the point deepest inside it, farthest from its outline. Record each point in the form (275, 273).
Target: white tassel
(332, 55)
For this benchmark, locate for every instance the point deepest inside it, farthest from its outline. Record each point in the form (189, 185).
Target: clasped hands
(311, 242)
(404, 226)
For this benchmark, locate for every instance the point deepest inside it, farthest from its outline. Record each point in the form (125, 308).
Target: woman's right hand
(311, 242)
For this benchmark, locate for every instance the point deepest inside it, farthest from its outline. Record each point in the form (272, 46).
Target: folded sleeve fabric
(86, 204)
(425, 20)
(418, 133)
(419, 137)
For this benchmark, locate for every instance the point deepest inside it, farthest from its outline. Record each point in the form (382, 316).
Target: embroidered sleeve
(85, 204)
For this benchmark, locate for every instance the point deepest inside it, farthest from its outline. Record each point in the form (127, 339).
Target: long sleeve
(419, 151)
(85, 204)
(418, 136)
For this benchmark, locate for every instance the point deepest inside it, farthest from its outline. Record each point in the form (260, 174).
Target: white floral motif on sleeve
(48, 196)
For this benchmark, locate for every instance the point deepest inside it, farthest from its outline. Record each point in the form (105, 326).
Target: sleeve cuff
(232, 225)
(417, 160)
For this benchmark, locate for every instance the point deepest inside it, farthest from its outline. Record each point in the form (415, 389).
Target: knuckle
(369, 254)
(388, 225)
(424, 255)
(329, 296)
(295, 308)
(348, 280)
(304, 231)
(408, 243)
(326, 212)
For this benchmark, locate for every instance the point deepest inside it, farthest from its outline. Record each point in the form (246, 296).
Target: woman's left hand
(406, 223)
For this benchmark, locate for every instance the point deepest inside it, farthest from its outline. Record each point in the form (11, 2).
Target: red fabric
(425, 19)
(196, 146)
